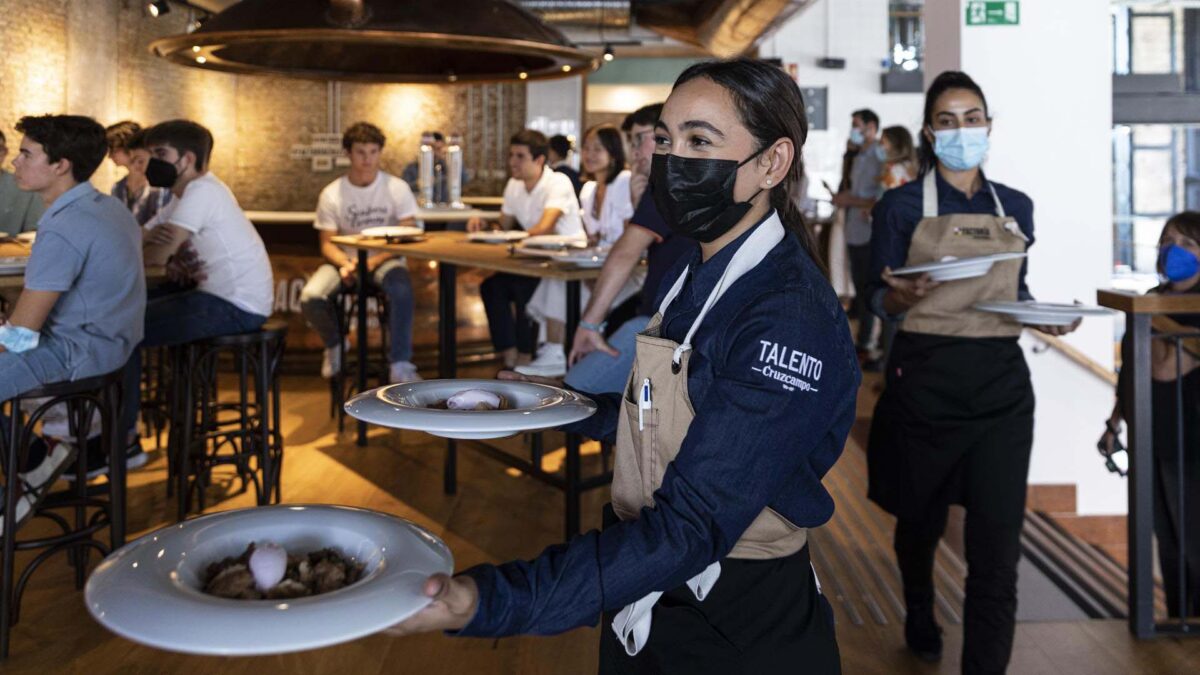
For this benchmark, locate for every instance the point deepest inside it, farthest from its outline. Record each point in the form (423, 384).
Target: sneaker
(37, 481)
(551, 361)
(332, 363)
(404, 371)
(923, 634)
(97, 460)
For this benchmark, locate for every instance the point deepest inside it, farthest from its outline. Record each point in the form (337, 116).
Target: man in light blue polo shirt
(81, 311)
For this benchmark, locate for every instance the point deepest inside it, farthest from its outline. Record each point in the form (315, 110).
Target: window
(1156, 173)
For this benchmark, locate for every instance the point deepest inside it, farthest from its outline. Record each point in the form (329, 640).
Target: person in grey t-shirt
(81, 311)
(85, 291)
(858, 201)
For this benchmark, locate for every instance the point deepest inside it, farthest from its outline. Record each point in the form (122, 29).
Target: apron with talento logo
(657, 414)
(947, 310)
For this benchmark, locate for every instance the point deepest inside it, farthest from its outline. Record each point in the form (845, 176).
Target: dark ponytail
(770, 105)
(951, 79)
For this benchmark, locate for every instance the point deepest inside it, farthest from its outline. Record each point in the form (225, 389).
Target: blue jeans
(316, 303)
(45, 364)
(599, 373)
(178, 319)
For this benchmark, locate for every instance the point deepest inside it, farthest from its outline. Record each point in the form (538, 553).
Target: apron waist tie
(632, 623)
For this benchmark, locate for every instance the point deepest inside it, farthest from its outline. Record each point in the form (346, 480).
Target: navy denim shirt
(769, 424)
(897, 213)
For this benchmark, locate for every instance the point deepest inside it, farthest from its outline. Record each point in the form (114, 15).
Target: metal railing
(1140, 311)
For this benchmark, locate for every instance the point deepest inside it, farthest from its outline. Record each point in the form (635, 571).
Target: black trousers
(1177, 517)
(860, 274)
(955, 426)
(761, 618)
(504, 299)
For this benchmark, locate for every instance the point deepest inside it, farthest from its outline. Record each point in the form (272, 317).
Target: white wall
(555, 106)
(1049, 87)
(859, 34)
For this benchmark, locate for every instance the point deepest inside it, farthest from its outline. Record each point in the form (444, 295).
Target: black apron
(761, 617)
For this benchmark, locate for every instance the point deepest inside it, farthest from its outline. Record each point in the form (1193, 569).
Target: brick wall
(255, 119)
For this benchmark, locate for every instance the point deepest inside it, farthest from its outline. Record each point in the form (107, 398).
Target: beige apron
(657, 414)
(947, 310)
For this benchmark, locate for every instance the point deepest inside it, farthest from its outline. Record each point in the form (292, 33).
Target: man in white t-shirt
(364, 197)
(235, 290)
(540, 201)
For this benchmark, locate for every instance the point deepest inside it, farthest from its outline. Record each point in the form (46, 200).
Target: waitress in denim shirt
(954, 424)
(741, 397)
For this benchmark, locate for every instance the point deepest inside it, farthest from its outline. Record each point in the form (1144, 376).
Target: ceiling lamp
(380, 41)
(158, 8)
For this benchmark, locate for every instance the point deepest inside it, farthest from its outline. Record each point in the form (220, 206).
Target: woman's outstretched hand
(453, 606)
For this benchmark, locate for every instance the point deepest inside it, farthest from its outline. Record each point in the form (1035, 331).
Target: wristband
(594, 327)
(17, 339)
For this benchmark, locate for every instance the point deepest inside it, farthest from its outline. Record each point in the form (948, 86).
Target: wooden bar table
(12, 284)
(450, 250)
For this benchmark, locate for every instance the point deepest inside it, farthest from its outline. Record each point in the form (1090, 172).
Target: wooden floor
(498, 515)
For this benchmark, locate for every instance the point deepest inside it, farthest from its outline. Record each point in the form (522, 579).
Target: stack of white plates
(393, 232)
(14, 265)
(1034, 313)
(951, 269)
(497, 236)
(531, 407)
(149, 591)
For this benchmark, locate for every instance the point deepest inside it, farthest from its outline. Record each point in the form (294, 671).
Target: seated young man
(540, 201)
(80, 313)
(364, 197)
(236, 287)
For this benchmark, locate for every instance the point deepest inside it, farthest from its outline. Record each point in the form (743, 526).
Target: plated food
(266, 572)
(481, 408)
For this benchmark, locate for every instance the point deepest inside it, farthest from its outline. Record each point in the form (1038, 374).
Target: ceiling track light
(158, 8)
(609, 54)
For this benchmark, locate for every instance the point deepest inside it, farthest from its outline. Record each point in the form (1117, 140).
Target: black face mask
(695, 195)
(161, 173)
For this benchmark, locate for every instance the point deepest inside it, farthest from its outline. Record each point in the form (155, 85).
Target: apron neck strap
(930, 195)
(760, 242)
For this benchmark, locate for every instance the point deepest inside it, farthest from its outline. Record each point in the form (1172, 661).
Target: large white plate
(13, 265)
(532, 407)
(149, 590)
(959, 268)
(1033, 313)
(555, 241)
(393, 231)
(497, 236)
(27, 237)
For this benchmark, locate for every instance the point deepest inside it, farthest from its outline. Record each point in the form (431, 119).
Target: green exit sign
(993, 12)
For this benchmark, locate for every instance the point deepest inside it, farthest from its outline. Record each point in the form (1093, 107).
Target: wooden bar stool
(242, 431)
(83, 399)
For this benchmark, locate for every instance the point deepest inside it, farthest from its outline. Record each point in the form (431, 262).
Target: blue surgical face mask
(880, 153)
(961, 149)
(1177, 263)
(856, 136)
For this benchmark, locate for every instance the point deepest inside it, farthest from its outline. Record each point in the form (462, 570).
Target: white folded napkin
(632, 623)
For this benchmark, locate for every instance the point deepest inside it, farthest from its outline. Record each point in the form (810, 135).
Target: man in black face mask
(236, 291)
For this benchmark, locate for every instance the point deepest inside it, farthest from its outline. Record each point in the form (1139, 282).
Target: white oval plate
(556, 241)
(13, 265)
(393, 231)
(959, 268)
(27, 237)
(1034, 313)
(149, 590)
(406, 406)
(497, 236)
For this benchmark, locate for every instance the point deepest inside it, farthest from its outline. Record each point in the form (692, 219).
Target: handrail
(1078, 357)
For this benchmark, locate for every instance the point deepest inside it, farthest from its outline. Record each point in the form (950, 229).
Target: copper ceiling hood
(417, 41)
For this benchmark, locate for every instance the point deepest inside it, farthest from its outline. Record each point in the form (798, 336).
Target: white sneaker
(332, 363)
(404, 371)
(551, 361)
(39, 480)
